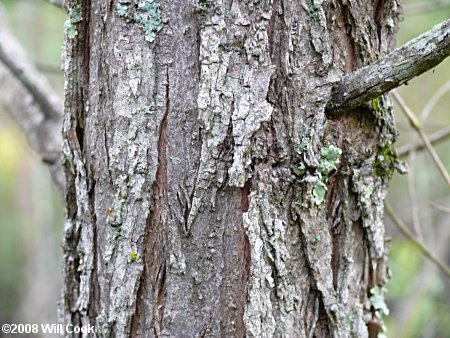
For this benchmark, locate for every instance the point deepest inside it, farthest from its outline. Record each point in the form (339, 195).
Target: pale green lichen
(75, 16)
(147, 14)
(300, 169)
(313, 12)
(175, 159)
(377, 301)
(150, 109)
(328, 161)
(319, 192)
(122, 9)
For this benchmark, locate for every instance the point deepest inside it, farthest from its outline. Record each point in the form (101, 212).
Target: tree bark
(208, 192)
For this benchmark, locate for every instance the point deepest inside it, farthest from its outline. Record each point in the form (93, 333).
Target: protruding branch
(403, 64)
(30, 99)
(441, 208)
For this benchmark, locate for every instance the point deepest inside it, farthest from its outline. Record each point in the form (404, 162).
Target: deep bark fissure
(75, 173)
(94, 294)
(379, 15)
(271, 26)
(154, 238)
(348, 24)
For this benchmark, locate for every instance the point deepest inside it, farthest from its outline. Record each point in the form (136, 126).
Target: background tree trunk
(208, 193)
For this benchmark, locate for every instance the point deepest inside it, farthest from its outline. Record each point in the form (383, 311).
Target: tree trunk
(209, 191)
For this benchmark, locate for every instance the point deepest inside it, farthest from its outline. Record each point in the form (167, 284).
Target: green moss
(385, 161)
(75, 16)
(133, 256)
(376, 104)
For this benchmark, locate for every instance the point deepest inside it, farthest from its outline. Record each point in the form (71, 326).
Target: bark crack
(94, 296)
(154, 240)
(271, 27)
(350, 56)
(378, 17)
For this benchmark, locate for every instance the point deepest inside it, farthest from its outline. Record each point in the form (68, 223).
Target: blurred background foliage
(32, 218)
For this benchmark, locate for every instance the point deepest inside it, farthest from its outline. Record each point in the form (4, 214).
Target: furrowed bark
(414, 58)
(29, 98)
(208, 193)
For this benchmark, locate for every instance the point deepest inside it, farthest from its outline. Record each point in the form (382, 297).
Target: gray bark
(208, 193)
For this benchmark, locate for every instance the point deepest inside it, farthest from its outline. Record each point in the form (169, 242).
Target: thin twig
(398, 67)
(440, 135)
(413, 196)
(407, 233)
(441, 208)
(416, 125)
(434, 99)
